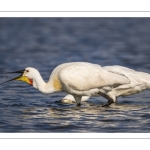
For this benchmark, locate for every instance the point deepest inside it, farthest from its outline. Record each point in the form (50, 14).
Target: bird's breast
(56, 84)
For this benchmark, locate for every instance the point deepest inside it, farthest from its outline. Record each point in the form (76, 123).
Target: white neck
(43, 87)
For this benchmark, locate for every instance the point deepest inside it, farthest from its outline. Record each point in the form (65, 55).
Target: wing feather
(134, 76)
(86, 76)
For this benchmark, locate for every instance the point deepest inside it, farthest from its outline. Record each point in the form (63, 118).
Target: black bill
(16, 78)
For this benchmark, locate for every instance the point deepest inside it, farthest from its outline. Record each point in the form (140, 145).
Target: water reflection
(93, 117)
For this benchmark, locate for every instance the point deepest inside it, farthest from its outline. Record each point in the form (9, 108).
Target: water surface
(44, 43)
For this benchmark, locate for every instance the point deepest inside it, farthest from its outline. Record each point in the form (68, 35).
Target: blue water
(44, 43)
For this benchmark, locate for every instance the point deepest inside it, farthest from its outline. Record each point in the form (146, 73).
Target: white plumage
(70, 99)
(81, 79)
(138, 81)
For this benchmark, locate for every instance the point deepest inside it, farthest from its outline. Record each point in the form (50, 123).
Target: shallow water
(44, 43)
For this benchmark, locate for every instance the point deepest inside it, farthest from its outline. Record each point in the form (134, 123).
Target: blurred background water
(44, 43)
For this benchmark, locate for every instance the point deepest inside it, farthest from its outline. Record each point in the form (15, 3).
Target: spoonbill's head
(27, 75)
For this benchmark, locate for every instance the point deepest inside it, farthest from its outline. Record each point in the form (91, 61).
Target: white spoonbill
(85, 79)
(139, 81)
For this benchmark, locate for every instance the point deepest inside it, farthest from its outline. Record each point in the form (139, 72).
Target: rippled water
(44, 43)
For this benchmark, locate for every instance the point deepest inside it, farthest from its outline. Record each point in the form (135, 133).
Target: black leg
(110, 100)
(78, 99)
(79, 104)
(108, 103)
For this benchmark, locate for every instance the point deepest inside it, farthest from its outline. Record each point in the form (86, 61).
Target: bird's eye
(27, 70)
